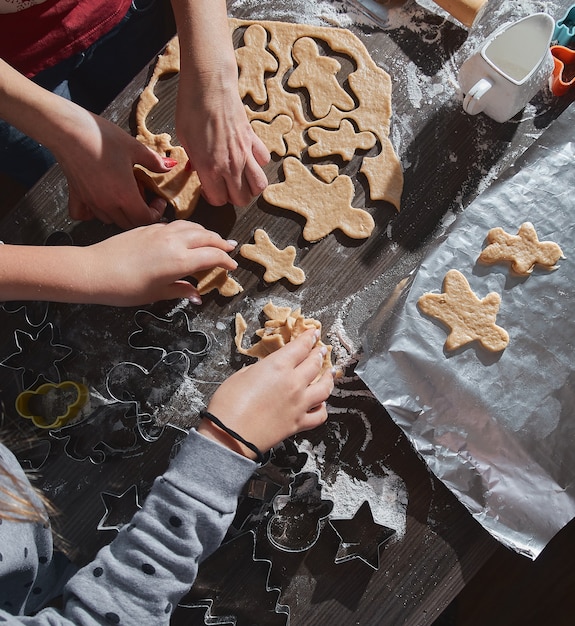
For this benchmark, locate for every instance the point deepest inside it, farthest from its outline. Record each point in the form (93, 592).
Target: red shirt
(40, 36)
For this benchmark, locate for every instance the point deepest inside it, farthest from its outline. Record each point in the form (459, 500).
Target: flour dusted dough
(281, 327)
(366, 106)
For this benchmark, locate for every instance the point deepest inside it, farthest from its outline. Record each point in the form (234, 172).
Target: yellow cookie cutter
(72, 409)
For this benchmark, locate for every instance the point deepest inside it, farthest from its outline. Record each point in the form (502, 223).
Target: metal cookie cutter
(563, 76)
(564, 33)
(64, 399)
(168, 334)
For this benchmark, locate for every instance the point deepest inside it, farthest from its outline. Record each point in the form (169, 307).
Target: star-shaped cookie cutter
(360, 537)
(119, 508)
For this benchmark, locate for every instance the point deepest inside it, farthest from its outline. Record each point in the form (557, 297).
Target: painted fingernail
(169, 162)
(195, 300)
(232, 242)
(323, 351)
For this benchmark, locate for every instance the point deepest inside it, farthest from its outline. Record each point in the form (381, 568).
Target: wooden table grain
(97, 476)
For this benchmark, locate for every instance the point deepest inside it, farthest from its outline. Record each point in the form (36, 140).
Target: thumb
(182, 289)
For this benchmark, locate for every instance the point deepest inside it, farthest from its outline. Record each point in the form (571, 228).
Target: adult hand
(273, 398)
(228, 156)
(98, 164)
(150, 263)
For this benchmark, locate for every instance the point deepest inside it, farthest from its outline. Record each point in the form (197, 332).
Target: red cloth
(39, 37)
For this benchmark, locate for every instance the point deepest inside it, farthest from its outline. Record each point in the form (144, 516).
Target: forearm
(37, 112)
(206, 49)
(49, 273)
(154, 560)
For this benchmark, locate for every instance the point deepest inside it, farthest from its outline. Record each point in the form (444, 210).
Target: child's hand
(274, 398)
(149, 263)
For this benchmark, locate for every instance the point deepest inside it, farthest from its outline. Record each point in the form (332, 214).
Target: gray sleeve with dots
(140, 577)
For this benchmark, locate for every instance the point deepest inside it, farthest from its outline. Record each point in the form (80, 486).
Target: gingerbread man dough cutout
(253, 62)
(343, 141)
(326, 206)
(468, 318)
(278, 263)
(322, 86)
(524, 251)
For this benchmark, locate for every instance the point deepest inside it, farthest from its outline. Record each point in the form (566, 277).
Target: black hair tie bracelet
(261, 457)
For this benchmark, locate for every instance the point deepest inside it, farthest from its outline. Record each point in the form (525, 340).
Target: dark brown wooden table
(99, 470)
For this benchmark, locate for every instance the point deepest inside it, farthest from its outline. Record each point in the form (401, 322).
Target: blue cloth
(92, 79)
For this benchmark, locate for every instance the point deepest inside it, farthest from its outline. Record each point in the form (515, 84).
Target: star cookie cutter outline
(348, 550)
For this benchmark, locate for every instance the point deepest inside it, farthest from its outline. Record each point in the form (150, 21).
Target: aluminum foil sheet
(497, 429)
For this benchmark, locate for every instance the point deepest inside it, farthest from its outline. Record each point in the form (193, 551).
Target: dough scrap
(281, 327)
(326, 206)
(217, 278)
(366, 104)
(278, 263)
(523, 251)
(467, 317)
(181, 185)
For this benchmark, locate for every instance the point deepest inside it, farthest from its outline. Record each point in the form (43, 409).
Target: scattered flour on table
(386, 495)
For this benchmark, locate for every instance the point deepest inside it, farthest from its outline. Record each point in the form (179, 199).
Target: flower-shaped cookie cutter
(38, 404)
(563, 76)
(564, 33)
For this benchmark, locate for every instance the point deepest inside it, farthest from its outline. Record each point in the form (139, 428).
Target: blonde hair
(20, 501)
(17, 503)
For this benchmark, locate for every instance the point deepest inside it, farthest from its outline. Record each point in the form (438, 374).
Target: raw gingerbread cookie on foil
(523, 251)
(467, 317)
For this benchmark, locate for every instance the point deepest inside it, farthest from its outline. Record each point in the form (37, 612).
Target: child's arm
(141, 576)
(96, 156)
(136, 267)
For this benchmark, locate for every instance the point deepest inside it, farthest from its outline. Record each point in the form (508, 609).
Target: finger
(132, 209)
(260, 152)
(182, 289)
(151, 160)
(210, 257)
(158, 204)
(214, 189)
(315, 417)
(76, 208)
(296, 351)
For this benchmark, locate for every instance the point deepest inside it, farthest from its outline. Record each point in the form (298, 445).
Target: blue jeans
(92, 79)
